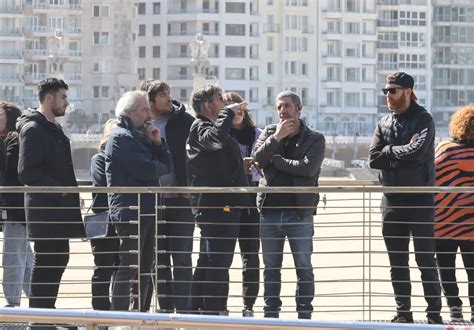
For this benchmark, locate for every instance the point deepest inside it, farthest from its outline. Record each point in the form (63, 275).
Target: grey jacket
(305, 168)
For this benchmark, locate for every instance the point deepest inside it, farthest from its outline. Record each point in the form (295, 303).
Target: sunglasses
(391, 90)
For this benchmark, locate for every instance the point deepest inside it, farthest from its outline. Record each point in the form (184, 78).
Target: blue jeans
(275, 226)
(175, 241)
(17, 262)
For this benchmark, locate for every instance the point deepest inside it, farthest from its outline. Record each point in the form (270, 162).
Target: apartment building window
(270, 43)
(270, 68)
(101, 38)
(420, 81)
(57, 2)
(183, 94)
(142, 52)
(183, 72)
(270, 96)
(253, 51)
(352, 6)
(333, 98)
(352, 50)
(351, 99)
(304, 69)
(235, 29)
(352, 28)
(270, 2)
(156, 30)
(156, 51)
(101, 66)
(334, 26)
(253, 73)
(235, 51)
(293, 66)
(156, 8)
(234, 74)
(334, 48)
(235, 7)
(183, 50)
(413, 18)
(253, 94)
(334, 5)
(100, 11)
(412, 61)
(352, 74)
(56, 22)
(304, 44)
(142, 8)
(206, 28)
(156, 73)
(333, 73)
(412, 39)
(141, 30)
(304, 96)
(100, 92)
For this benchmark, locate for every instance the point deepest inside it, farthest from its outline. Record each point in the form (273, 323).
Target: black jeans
(127, 271)
(446, 255)
(51, 259)
(219, 231)
(402, 218)
(175, 241)
(106, 260)
(249, 244)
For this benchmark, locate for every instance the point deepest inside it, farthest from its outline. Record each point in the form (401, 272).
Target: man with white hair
(135, 156)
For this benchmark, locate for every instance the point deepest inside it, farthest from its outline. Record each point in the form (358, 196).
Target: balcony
(178, 55)
(180, 77)
(388, 2)
(75, 53)
(11, 32)
(387, 44)
(75, 7)
(387, 66)
(192, 11)
(74, 30)
(271, 27)
(73, 76)
(10, 55)
(34, 78)
(387, 23)
(8, 9)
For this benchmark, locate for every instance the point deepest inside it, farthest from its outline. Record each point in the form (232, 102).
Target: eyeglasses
(391, 90)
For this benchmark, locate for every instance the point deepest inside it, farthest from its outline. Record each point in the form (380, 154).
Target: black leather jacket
(403, 148)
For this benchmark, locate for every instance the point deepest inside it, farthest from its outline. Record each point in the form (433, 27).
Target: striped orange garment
(454, 213)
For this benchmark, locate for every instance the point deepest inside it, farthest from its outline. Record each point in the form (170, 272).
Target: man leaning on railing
(403, 148)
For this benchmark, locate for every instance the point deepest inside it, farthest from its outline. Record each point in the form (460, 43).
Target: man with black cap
(403, 149)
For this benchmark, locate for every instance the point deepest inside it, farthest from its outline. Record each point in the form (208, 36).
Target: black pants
(127, 271)
(446, 255)
(175, 243)
(219, 231)
(106, 260)
(51, 259)
(402, 218)
(249, 244)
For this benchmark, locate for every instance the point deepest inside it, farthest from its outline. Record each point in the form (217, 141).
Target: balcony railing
(192, 11)
(271, 27)
(6, 9)
(387, 44)
(10, 32)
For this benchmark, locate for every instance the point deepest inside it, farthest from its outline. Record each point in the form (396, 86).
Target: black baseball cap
(401, 78)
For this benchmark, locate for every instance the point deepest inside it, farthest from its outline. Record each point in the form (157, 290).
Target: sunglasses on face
(391, 90)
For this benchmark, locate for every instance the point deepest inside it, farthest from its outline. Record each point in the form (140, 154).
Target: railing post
(363, 256)
(370, 256)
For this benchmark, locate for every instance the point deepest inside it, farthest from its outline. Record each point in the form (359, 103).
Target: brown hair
(12, 112)
(203, 95)
(233, 97)
(153, 87)
(461, 126)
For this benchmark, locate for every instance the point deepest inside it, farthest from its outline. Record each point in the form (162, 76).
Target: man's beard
(395, 104)
(58, 112)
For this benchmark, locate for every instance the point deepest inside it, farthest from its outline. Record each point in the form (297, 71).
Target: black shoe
(271, 314)
(402, 318)
(455, 312)
(304, 316)
(435, 319)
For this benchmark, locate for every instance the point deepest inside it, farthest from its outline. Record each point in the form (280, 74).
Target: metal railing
(349, 261)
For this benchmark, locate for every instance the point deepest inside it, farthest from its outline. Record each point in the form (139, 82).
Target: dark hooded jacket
(45, 160)
(14, 201)
(177, 131)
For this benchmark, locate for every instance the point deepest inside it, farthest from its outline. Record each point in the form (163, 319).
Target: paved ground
(350, 284)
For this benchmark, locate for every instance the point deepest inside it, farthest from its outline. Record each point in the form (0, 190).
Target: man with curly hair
(454, 214)
(403, 149)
